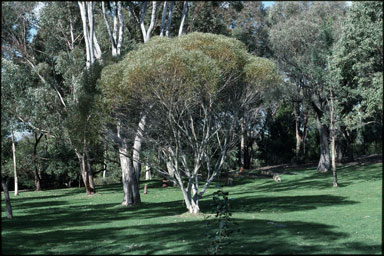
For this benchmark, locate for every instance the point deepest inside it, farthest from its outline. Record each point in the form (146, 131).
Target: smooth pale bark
(169, 21)
(183, 17)
(93, 50)
(14, 164)
(148, 174)
(137, 146)
(147, 33)
(36, 170)
(129, 179)
(7, 200)
(333, 135)
(242, 142)
(116, 37)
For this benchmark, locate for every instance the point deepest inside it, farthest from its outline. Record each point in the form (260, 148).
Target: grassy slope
(301, 215)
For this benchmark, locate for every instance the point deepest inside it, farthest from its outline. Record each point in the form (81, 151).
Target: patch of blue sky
(268, 3)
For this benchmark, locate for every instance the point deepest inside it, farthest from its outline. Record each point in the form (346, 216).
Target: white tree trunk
(130, 182)
(14, 164)
(242, 142)
(147, 33)
(137, 146)
(183, 17)
(93, 50)
(116, 37)
(148, 174)
(333, 135)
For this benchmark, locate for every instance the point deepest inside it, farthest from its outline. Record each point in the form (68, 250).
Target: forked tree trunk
(14, 164)
(191, 197)
(129, 179)
(7, 200)
(84, 174)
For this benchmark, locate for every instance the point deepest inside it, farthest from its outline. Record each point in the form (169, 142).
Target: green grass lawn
(302, 215)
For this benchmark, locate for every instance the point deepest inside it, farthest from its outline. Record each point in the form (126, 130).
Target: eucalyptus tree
(191, 90)
(302, 35)
(93, 51)
(117, 34)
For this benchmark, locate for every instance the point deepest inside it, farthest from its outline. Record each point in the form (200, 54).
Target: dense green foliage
(357, 64)
(302, 215)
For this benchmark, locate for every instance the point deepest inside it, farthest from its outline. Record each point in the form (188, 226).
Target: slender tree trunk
(137, 146)
(148, 175)
(84, 175)
(324, 162)
(104, 160)
(297, 131)
(36, 170)
(164, 14)
(14, 164)
(169, 21)
(333, 135)
(7, 200)
(304, 131)
(90, 174)
(242, 142)
(115, 36)
(183, 17)
(334, 161)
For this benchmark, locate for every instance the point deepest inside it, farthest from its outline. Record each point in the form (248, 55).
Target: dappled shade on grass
(291, 217)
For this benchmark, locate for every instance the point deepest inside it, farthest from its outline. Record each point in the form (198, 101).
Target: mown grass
(302, 215)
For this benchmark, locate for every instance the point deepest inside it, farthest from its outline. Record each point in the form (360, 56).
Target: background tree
(357, 68)
(302, 36)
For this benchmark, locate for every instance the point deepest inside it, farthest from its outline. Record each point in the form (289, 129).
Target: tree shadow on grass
(49, 194)
(287, 203)
(189, 237)
(65, 215)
